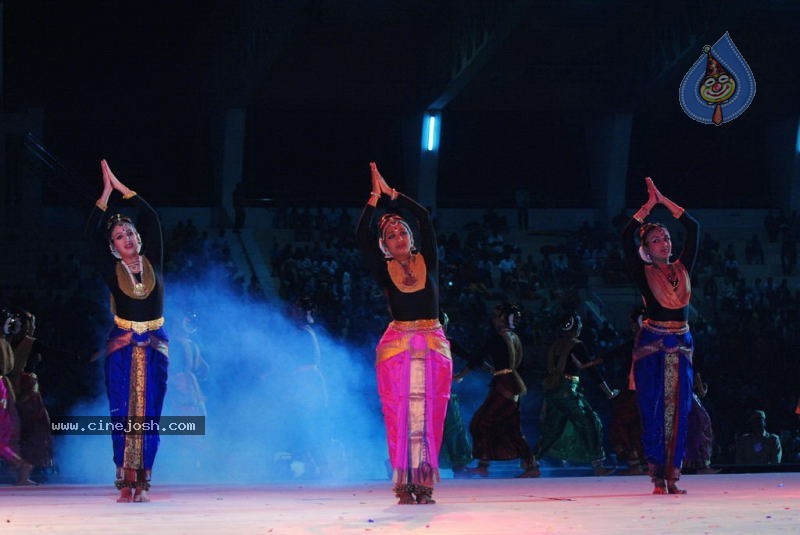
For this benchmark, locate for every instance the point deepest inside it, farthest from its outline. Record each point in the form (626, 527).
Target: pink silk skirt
(414, 371)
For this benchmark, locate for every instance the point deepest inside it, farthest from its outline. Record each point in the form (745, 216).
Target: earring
(382, 246)
(114, 251)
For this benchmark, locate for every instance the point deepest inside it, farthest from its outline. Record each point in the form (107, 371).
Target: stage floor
(716, 504)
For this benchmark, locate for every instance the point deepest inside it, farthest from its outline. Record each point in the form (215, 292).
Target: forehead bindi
(395, 228)
(122, 230)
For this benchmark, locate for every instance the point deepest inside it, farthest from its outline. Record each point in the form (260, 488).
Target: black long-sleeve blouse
(149, 227)
(424, 303)
(636, 267)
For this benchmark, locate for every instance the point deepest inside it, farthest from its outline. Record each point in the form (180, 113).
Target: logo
(720, 85)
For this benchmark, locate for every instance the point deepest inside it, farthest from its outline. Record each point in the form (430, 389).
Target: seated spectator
(759, 446)
(507, 266)
(732, 270)
(772, 225)
(560, 264)
(494, 243)
(754, 252)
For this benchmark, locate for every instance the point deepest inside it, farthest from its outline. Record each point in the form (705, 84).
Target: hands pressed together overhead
(379, 185)
(110, 181)
(656, 197)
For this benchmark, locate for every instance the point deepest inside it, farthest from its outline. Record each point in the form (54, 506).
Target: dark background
(329, 85)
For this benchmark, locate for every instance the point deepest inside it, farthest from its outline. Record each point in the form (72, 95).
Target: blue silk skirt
(662, 368)
(136, 382)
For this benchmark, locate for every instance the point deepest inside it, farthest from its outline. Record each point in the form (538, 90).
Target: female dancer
(662, 352)
(9, 419)
(136, 350)
(413, 364)
(571, 429)
(495, 427)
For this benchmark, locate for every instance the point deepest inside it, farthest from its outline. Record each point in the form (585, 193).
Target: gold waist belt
(139, 327)
(572, 378)
(666, 327)
(416, 325)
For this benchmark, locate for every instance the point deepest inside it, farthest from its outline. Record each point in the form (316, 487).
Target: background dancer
(700, 435)
(185, 397)
(9, 418)
(36, 444)
(571, 429)
(495, 427)
(625, 431)
(456, 449)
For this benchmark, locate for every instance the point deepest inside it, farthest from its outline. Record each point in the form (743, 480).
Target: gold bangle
(374, 194)
(130, 194)
(395, 193)
(103, 206)
(641, 214)
(678, 212)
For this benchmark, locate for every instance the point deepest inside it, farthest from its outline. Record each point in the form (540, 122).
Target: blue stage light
(431, 126)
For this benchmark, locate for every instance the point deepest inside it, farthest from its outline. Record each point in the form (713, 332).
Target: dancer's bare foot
(424, 495)
(531, 471)
(24, 475)
(140, 496)
(672, 488)
(403, 493)
(125, 495)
